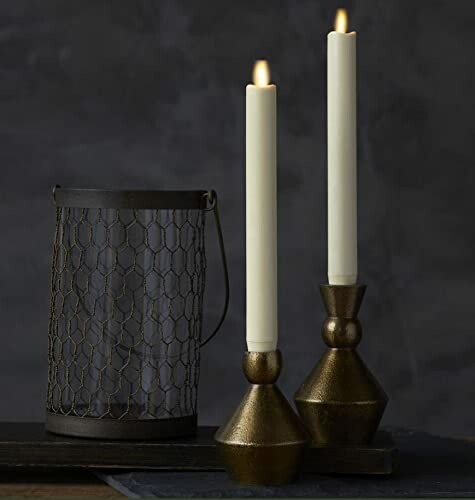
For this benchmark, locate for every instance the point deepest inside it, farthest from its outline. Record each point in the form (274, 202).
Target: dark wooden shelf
(29, 445)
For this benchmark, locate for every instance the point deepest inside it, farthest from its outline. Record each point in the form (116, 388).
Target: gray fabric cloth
(427, 466)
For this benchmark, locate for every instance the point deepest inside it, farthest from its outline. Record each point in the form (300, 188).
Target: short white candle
(261, 212)
(342, 195)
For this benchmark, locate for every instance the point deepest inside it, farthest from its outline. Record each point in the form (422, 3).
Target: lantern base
(264, 440)
(128, 429)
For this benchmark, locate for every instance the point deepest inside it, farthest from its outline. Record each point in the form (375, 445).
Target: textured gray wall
(150, 94)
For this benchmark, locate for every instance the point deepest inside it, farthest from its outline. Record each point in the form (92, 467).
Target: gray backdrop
(150, 94)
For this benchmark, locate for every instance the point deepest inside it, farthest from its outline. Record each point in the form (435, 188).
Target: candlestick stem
(341, 402)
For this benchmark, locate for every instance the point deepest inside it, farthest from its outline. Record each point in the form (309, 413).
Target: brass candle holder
(340, 402)
(263, 441)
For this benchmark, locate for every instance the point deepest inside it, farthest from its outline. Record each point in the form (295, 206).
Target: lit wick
(341, 21)
(261, 73)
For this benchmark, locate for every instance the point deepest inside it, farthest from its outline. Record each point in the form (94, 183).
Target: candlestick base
(263, 442)
(340, 402)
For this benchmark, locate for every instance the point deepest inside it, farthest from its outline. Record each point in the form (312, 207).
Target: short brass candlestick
(264, 440)
(340, 402)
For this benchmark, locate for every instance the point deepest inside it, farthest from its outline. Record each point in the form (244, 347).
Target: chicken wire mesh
(126, 316)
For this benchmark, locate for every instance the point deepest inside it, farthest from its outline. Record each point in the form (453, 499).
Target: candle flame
(261, 73)
(341, 21)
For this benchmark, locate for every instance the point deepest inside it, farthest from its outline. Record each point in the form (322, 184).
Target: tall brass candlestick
(340, 402)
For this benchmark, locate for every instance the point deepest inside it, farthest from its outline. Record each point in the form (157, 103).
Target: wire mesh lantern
(128, 278)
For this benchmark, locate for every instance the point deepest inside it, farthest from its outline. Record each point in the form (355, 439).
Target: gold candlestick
(341, 402)
(263, 441)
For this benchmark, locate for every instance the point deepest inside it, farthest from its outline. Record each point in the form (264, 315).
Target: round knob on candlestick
(342, 328)
(341, 332)
(262, 367)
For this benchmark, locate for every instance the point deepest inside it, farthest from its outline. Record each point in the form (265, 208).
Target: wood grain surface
(53, 483)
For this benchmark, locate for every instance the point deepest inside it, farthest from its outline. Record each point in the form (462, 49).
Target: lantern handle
(213, 206)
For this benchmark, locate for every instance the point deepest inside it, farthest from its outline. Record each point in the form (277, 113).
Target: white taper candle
(342, 190)
(261, 212)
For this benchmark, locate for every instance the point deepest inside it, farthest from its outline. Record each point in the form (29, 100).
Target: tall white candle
(342, 195)
(261, 212)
